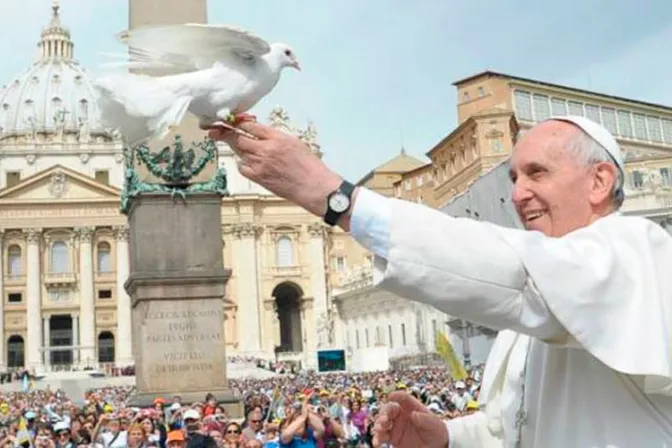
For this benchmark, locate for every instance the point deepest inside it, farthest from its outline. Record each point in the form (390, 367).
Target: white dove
(218, 72)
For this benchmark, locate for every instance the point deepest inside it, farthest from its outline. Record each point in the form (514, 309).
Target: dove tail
(140, 107)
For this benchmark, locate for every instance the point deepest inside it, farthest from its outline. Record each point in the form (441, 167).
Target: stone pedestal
(177, 284)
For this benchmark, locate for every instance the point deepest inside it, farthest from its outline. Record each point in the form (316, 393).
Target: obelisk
(177, 278)
(170, 12)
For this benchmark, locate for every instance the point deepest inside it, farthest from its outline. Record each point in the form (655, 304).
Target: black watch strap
(331, 216)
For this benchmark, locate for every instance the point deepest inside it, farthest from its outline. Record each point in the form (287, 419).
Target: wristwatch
(338, 202)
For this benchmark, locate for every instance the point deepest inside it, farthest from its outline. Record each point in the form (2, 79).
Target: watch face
(339, 202)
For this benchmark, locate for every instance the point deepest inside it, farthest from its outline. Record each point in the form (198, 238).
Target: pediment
(59, 184)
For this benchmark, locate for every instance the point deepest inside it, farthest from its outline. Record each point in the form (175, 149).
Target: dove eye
(288, 53)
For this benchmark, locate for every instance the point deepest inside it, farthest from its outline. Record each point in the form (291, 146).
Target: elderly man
(583, 295)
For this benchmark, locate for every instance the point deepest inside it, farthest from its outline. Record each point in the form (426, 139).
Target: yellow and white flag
(446, 351)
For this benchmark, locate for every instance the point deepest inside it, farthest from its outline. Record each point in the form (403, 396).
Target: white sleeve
(460, 266)
(471, 431)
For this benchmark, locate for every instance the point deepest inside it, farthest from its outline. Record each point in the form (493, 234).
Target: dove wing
(190, 47)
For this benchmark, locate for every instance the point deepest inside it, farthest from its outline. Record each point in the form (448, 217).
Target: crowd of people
(292, 410)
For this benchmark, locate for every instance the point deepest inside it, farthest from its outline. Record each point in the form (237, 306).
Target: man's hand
(405, 423)
(282, 164)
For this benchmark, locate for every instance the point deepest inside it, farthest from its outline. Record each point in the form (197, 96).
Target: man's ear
(605, 177)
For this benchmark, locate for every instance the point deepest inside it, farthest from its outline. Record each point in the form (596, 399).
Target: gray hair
(590, 152)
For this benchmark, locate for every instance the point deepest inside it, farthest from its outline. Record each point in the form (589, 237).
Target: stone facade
(65, 245)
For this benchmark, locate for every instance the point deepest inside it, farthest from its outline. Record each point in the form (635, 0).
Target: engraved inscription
(182, 341)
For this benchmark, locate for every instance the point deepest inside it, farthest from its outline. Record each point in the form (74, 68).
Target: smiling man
(583, 295)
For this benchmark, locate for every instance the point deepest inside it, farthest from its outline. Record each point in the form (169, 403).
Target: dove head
(284, 56)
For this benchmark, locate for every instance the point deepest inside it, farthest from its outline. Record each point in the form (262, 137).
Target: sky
(377, 74)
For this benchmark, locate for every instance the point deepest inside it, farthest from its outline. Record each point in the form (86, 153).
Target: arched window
(59, 258)
(14, 264)
(104, 257)
(83, 110)
(15, 351)
(284, 254)
(105, 347)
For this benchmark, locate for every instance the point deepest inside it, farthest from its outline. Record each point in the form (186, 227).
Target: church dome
(54, 96)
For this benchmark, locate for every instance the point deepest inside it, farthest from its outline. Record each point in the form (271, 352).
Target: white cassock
(585, 355)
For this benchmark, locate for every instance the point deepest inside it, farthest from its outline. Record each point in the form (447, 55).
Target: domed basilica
(65, 248)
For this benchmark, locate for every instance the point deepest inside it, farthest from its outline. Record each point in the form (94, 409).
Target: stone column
(318, 282)
(123, 345)
(86, 295)
(33, 300)
(247, 292)
(46, 342)
(77, 353)
(3, 351)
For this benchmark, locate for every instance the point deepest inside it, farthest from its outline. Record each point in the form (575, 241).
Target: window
(575, 108)
(14, 264)
(403, 334)
(105, 347)
(366, 336)
(466, 96)
(103, 177)
(389, 335)
(523, 102)
(104, 257)
(105, 294)
(637, 179)
(667, 130)
(653, 124)
(435, 329)
(407, 184)
(379, 336)
(609, 120)
(593, 113)
(625, 124)
(284, 254)
(15, 351)
(12, 178)
(558, 106)
(14, 297)
(665, 175)
(419, 181)
(640, 126)
(542, 108)
(496, 145)
(59, 258)
(83, 110)
(340, 264)
(357, 338)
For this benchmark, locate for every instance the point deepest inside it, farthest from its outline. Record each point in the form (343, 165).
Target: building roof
(493, 74)
(401, 163)
(54, 94)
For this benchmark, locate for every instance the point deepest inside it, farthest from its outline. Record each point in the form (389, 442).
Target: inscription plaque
(182, 345)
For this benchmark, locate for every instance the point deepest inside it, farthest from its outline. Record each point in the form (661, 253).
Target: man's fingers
(407, 402)
(258, 130)
(381, 430)
(389, 412)
(240, 143)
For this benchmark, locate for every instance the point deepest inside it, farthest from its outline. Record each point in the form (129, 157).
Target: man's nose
(521, 193)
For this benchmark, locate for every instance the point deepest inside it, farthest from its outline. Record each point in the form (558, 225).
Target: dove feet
(234, 119)
(245, 117)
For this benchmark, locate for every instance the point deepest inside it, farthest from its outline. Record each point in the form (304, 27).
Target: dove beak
(296, 65)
